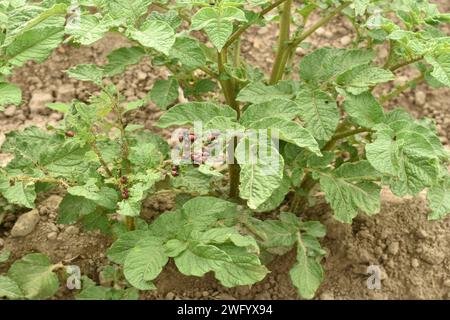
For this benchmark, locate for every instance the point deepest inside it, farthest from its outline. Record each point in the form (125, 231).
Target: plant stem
(100, 158)
(283, 38)
(397, 91)
(405, 63)
(44, 180)
(229, 92)
(308, 183)
(236, 35)
(130, 222)
(278, 70)
(295, 42)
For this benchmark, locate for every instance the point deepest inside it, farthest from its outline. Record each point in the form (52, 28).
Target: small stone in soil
(415, 263)
(327, 296)
(393, 248)
(72, 230)
(346, 40)
(170, 296)
(25, 224)
(52, 236)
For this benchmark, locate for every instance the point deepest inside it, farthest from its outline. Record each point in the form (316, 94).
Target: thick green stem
(289, 48)
(236, 35)
(229, 92)
(283, 39)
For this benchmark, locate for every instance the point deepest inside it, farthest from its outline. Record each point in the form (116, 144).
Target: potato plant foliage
(335, 136)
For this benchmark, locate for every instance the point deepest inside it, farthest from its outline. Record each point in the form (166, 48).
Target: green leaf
(4, 255)
(88, 29)
(307, 273)
(188, 52)
(87, 72)
(59, 107)
(164, 92)
(441, 67)
(364, 109)
(407, 156)
(72, 207)
(325, 64)
(21, 193)
(318, 111)
(217, 23)
(274, 108)
(35, 45)
(260, 177)
(439, 200)
(144, 263)
(349, 189)
(10, 94)
(129, 11)
(34, 276)
(188, 113)
(288, 131)
(200, 213)
(277, 196)
(192, 180)
(9, 288)
(258, 92)
(156, 34)
(122, 246)
(362, 78)
(120, 59)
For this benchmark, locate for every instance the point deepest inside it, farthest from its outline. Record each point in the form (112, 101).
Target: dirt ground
(412, 253)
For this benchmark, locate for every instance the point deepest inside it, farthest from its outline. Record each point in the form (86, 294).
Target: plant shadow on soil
(412, 253)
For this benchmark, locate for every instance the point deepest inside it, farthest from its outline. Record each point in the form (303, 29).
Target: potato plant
(333, 133)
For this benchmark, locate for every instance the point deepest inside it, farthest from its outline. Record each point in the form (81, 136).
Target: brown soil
(411, 252)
